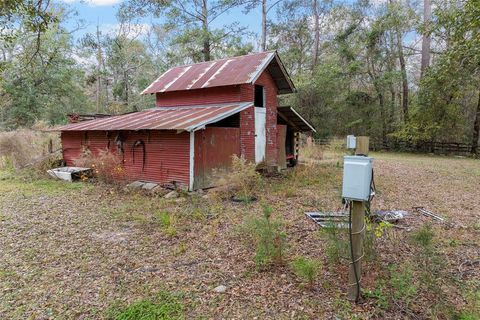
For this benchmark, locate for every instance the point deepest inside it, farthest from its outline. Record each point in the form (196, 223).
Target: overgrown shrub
(268, 237)
(242, 181)
(306, 269)
(164, 306)
(21, 147)
(107, 166)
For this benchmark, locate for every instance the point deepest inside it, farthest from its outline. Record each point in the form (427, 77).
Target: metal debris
(425, 212)
(69, 173)
(329, 219)
(391, 216)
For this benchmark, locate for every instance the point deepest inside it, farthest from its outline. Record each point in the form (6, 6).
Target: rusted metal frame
(305, 121)
(288, 121)
(94, 124)
(174, 123)
(156, 81)
(209, 66)
(264, 63)
(157, 115)
(212, 77)
(206, 114)
(227, 114)
(284, 71)
(168, 85)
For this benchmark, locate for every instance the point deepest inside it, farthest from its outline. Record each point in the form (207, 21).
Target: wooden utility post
(358, 233)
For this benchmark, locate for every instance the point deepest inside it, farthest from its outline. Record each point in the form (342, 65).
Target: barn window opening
(259, 98)
(230, 122)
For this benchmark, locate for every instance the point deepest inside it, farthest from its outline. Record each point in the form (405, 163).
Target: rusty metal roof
(293, 118)
(189, 118)
(224, 72)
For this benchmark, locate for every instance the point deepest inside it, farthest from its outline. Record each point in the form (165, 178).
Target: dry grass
(241, 181)
(73, 250)
(21, 147)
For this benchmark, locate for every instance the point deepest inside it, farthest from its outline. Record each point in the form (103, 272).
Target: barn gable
(224, 72)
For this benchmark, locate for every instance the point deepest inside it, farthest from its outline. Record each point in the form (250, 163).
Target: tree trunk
(403, 70)
(206, 32)
(476, 128)
(264, 25)
(316, 30)
(426, 39)
(99, 66)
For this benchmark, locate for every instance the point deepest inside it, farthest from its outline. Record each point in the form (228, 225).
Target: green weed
(164, 306)
(398, 287)
(268, 237)
(337, 246)
(424, 236)
(472, 310)
(306, 269)
(429, 260)
(402, 284)
(167, 223)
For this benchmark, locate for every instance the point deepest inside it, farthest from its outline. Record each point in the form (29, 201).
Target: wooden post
(358, 233)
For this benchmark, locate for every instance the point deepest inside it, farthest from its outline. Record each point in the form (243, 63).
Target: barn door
(260, 134)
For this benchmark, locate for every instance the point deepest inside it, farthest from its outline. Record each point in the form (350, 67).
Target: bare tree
(316, 30)
(266, 7)
(426, 39)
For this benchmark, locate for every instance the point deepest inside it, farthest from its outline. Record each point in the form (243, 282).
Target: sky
(103, 13)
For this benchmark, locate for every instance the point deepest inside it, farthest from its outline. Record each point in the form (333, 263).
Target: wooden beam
(287, 120)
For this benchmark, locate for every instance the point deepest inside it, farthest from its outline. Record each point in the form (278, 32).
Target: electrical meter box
(357, 177)
(351, 142)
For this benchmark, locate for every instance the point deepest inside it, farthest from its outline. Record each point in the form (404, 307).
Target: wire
(354, 262)
(373, 189)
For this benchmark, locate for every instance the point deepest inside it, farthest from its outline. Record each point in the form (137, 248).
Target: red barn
(205, 113)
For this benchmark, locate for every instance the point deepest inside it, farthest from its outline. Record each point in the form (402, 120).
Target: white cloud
(95, 3)
(131, 31)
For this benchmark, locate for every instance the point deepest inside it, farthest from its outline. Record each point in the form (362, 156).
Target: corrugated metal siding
(200, 96)
(214, 148)
(224, 72)
(167, 154)
(173, 118)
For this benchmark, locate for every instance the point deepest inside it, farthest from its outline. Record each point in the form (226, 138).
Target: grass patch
(398, 288)
(28, 183)
(167, 223)
(164, 306)
(306, 269)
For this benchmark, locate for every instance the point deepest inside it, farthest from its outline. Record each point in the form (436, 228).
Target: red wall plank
(214, 148)
(199, 96)
(167, 154)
